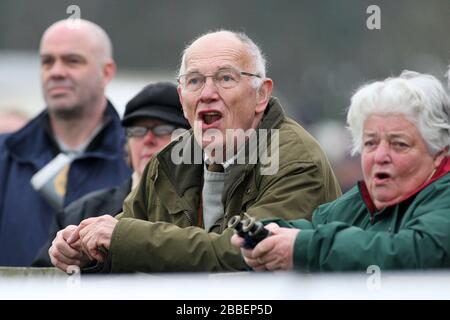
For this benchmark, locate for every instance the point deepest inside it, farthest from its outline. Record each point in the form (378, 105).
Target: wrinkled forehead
(390, 125)
(215, 51)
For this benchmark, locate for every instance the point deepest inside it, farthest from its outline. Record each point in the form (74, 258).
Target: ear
(440, 156)
(109, 71)
(180, 96)
(263, 94)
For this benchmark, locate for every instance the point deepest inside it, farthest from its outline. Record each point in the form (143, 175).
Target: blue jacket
(25, 217)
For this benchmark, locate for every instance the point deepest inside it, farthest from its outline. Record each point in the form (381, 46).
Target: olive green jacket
(160, 229)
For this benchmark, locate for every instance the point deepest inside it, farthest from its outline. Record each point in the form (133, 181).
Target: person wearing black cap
(150, 118)
(155, 110)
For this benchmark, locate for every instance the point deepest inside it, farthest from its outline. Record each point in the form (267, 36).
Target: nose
(57, 69)
(382, 153)
(149, 138)
(209, 91)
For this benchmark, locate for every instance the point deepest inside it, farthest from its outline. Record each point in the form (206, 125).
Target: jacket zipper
(224, 222)
(188, 216)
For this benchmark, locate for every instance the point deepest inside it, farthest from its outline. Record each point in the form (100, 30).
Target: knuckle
(59, 234)
(59, 245)
(92, 246)
(57, 255)
(50, 250)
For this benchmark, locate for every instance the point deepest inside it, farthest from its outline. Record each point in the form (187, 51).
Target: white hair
(259, 61)
(421, 98)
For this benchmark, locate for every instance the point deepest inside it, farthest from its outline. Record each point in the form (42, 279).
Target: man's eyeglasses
(158, 130)
(224, 78)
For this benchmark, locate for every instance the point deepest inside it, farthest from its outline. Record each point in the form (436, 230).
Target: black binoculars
(251, 230)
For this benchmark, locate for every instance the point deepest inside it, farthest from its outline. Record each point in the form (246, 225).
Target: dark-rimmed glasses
(158, 130)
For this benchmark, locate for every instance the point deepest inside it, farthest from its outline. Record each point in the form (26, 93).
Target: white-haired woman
(399, 216)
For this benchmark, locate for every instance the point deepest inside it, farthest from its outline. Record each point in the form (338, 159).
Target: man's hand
(62, 255)
(94, 235)
(273, 253)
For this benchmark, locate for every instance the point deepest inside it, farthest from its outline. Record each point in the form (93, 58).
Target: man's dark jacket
(25, 217)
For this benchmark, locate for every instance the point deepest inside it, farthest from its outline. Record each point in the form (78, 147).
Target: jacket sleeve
(422, 242)
(139, 245)
(171, 249)
(301, 224)
(295, 192)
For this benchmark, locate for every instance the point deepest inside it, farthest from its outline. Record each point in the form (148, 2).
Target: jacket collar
(31, 143)
(189, 173)
(441, 171)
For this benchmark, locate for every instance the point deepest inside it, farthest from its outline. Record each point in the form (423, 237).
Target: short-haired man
(73, 147)
(176, 219)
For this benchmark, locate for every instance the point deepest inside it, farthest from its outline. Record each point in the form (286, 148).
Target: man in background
(73, 147)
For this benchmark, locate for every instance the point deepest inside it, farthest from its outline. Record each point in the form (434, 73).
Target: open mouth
(210, 117)
(382, 176)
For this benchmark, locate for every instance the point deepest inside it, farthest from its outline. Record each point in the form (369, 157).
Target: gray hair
(255, 52)
(421, 98)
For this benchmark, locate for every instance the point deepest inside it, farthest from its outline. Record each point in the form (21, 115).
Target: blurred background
(318, 52)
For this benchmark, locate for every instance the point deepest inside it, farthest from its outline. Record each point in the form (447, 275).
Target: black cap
(160, 101)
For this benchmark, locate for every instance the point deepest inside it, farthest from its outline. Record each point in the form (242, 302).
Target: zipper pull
(189, 217)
